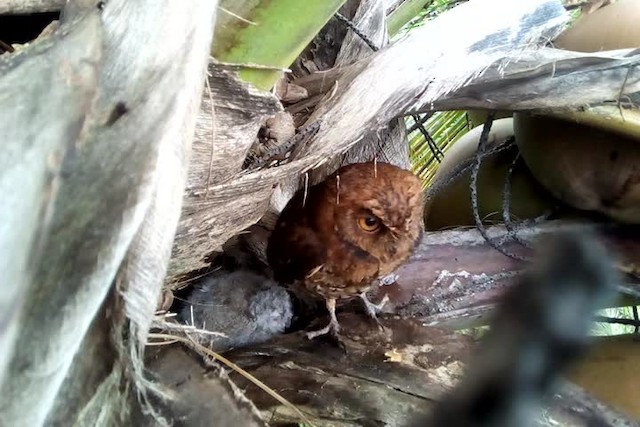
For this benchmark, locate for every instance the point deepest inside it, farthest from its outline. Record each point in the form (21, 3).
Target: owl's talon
(333, 327)
(389, 279)
(373, 309)
(331, 336)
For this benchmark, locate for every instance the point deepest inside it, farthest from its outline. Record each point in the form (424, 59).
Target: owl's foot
(373, 309)
(389, 279)
(333, 327)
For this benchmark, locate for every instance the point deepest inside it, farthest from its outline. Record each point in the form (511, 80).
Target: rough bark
(55, 75)
(91, 132)
(364, 105)
(96, 364)
(381, 378)
(441, 68)
(455, 277)
(30, 6)
(92, 206)
(543, 80)
(407, 367)
(213, 212)
(550, 79)
(203, 395)
(391, 376)
(390, 143)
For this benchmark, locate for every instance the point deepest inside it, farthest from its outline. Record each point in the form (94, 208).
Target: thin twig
(228, 12)
(512, 232)
(433, 146)
(624, 83)
(619, 321)
(459, 170)
(161, 343)
(185, 328)
(422, 120)
(306, 189)
(182, 284)
(357, 31)
(474, 190)
(251, 65)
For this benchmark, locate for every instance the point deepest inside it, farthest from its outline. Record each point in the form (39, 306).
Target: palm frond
(444, 128)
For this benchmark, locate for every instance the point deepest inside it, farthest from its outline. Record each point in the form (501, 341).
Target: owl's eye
(369, 223)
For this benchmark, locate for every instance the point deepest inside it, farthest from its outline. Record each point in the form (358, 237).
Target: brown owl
(337, 238)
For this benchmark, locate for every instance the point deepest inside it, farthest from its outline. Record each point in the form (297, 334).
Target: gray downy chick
(246, 307)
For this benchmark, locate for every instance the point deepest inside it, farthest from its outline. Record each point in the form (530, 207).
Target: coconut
(609, 28)
(589, 160)
(608, 372)
(450, 204)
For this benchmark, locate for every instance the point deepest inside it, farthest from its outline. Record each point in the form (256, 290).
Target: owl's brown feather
(323, 238)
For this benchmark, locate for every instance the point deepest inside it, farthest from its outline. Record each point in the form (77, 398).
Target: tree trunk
(454, 278)
(98, 126)
(381, 377)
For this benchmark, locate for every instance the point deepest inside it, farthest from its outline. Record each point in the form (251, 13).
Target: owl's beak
(397, 230)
